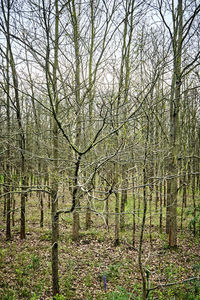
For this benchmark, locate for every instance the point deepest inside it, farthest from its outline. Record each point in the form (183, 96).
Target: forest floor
(85, 265)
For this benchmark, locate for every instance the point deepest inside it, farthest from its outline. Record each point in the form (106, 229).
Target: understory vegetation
(92, 267)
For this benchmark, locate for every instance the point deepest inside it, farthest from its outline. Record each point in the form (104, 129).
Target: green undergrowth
(92, 268)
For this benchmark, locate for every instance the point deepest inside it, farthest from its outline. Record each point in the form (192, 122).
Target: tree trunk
(116, 242)
(134, 211)
(123, 197)
(174, 124)
(88, 214)
(55, 236)
(161, 207)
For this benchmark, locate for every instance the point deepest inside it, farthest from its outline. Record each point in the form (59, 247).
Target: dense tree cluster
(99, 101)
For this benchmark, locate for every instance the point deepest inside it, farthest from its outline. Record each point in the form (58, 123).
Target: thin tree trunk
(194, 204)
(13, 210)
(18, 115)
(88, 214)
(142, 272)
(41, 210)
(107, 213)
(117, 241)
(123, 197)
(5, 197)
(8, 169)
(164, 193)
(76, 40)
(51, 83)
(161, 207)
(55, 236)
(134, 211)
(150, 217)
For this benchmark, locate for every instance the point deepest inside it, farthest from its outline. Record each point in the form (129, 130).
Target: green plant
(88, 280)
(137, 291)
(34, 297)
(188, 291)
(196, 268)
(170, 293)
(172, 271)
(39, 286)
(119, 294)
(19, 273)
(157, 295)
(163, 237)
(68, 291)
(9, 295)
(59, 297)
(35, 263)
(46, 236)
(25, 292)
(111, 272)
(70, 264)
(114, 270)
(191, 291)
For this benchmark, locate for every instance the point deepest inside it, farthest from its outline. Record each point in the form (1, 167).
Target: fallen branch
(173, 283)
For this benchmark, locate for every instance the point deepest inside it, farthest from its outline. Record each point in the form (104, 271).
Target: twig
(172, 283)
